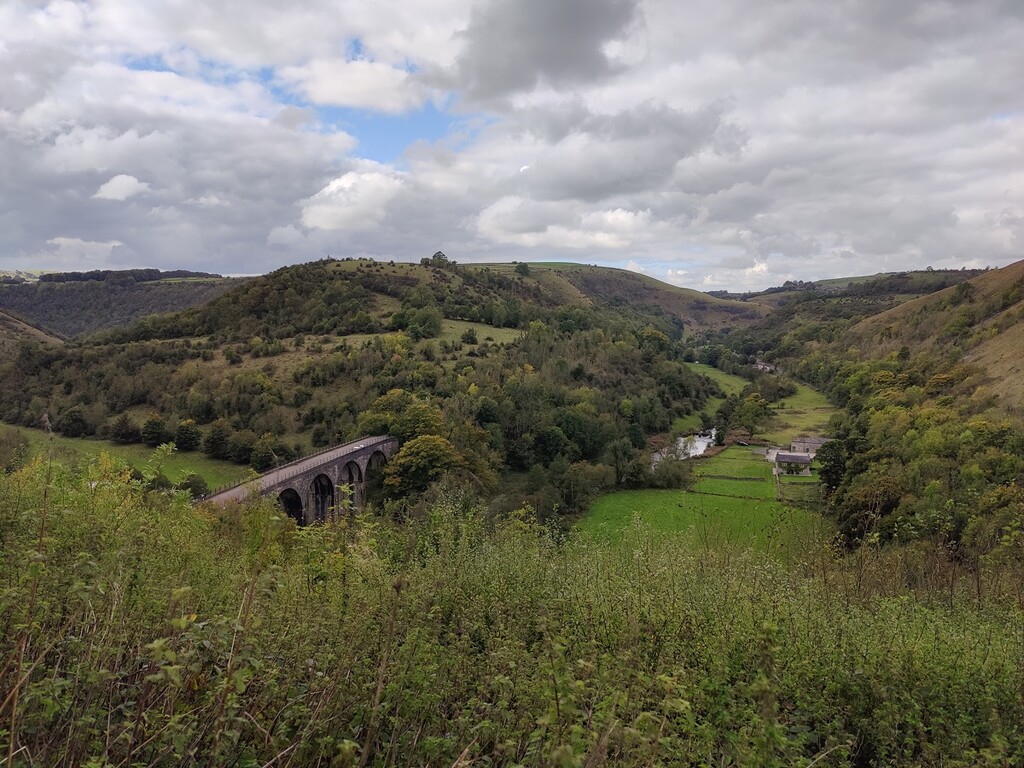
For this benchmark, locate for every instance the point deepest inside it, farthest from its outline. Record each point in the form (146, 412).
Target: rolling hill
(362, 296)
(13, 330)
(980, 321)
(70, 309)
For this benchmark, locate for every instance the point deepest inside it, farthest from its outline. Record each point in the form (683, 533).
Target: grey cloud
(746, 141)
(513, 45)
(592, 156)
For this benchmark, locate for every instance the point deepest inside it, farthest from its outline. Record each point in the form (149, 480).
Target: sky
(714, 144)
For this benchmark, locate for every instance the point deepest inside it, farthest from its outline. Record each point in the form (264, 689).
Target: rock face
(312, 488)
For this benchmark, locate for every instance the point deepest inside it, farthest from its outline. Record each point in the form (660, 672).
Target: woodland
(478, 611)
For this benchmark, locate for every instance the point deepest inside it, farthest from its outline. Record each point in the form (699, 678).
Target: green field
(738, 487)
(735, 461)
(805, 413)
(730, 384)
(717, 522)
(732, 504)
(452, 330)
(74, 451)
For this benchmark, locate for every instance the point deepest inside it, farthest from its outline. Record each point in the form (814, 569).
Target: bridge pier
(316, 488)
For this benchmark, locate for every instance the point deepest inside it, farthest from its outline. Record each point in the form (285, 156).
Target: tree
(832, 458)
(124, 430)
(522, 269)
(549, 443)
(72, 422)
(240, 446)
(420, 462)
(753, 413)
(187, 437)
(154, 431)
(215, 443)
(195, 485)
(262, 456)
(620, 454)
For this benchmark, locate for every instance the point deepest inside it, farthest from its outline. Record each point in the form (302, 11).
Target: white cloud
(353, 201)
(121, 187)
(361, 84)
(76, 253)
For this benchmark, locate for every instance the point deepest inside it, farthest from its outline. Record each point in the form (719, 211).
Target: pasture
(805, 413)
(76, 451)
(732, 505)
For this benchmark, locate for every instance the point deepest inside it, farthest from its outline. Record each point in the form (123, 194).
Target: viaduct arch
(313, 488)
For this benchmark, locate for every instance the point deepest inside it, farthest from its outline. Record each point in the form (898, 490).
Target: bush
(124, 430)
(155, 432)
(188, 436)
(646, 652)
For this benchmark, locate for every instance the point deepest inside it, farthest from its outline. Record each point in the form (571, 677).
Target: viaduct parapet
(309, 489)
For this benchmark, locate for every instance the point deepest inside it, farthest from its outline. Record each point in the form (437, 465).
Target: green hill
(561, 373)
(13, 330)
(980, 321)
(73, 308)
(360, 296)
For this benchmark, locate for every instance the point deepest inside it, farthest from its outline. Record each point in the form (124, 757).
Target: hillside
(13, 330)
(72, 308)
(361, 296)
(604, 286)
(801, 315)
(557, 375)
(980, 321)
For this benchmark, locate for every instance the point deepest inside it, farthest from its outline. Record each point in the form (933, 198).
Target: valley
(535, 577)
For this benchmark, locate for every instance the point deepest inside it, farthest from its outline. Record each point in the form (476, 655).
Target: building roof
(810, 440)
(792, 458)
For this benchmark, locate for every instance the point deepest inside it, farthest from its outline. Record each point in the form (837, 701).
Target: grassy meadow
(734, 504)
(74, 451)
(805, 413)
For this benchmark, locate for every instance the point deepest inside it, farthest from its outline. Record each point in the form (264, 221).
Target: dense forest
(70, 307)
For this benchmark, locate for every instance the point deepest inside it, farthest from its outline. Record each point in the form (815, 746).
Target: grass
(717, 522)
(74, 451)
(805, 413)
(144, 631)
(452, 330)
(732, 504)
(730, 383)
(755, 467)
(744, 488)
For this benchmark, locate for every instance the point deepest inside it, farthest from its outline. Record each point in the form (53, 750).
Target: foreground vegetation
(140, 631)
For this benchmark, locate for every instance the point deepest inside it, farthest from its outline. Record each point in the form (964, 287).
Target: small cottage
(792, 463)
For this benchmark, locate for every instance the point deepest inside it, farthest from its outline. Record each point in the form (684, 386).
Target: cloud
(736, 145)
(353, 201)
(361, 84)
(121, 187)
(512, 46)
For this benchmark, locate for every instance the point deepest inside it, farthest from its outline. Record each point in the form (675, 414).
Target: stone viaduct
(309, 489)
